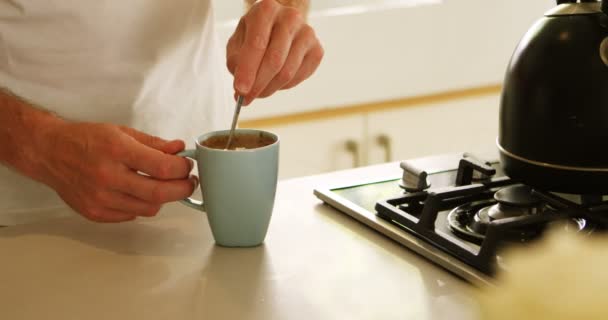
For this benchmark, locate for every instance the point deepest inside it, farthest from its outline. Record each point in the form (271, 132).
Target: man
(88, 85)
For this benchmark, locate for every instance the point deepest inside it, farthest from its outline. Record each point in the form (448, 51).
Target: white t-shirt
(150, 64)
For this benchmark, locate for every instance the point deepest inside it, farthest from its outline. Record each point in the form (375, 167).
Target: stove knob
(414, 179)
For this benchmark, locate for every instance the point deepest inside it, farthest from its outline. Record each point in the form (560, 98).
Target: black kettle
(553, 130)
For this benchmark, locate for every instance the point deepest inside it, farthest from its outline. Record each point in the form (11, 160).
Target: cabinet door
(463, 125)
(314, 147)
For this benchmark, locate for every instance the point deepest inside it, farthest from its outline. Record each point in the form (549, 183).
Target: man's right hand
(96, 169)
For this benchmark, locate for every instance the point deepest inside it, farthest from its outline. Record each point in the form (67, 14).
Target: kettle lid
(571, 8)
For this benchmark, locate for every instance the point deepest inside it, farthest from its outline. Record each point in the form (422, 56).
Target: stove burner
(517, 196)
(470, 221)
(513, 201)
(462, 217)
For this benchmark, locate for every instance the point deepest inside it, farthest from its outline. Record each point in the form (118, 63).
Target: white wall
(231, 9)
(380, 50)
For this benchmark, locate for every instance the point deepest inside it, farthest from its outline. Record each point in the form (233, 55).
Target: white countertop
(316, 263)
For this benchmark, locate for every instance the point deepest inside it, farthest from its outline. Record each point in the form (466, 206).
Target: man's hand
(94, 169)
(272, 49)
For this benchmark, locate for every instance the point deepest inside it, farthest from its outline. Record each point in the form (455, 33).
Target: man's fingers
(273, 60)
(158, 191)
(173, 147)
(257, 35)
(309, 65)
(155, 163)
(157, 143)
(234, 45)
(109, 216)
(298, 51)
(129, 204)
(148, 140)
(231, 62)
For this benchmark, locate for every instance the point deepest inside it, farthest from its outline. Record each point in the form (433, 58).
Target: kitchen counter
(316, 263)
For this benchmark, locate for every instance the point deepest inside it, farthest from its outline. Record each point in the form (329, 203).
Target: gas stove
(462, 212)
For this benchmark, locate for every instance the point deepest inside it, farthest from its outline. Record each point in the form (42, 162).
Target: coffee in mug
(240, 141)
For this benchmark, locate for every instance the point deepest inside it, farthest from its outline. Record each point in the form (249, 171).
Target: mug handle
(189, 202)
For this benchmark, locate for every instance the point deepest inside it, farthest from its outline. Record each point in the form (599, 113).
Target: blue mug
(238, 188)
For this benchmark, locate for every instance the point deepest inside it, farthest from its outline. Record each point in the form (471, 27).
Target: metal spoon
(235, 118)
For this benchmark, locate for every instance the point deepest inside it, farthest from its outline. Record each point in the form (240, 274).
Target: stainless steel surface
(549, 165)
(365, 213)
(568, 9)
(235, 119)
(410, 241)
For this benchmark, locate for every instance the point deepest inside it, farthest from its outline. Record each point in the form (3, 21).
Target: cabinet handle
(385, 142)
(352, 147)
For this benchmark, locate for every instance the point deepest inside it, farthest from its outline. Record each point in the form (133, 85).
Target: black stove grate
(417, 213)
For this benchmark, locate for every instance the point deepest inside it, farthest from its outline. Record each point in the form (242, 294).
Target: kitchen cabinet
(312, 147)
(468, 124)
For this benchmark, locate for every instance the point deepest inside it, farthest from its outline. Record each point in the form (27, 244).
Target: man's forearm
(22, 128)
(302, 5)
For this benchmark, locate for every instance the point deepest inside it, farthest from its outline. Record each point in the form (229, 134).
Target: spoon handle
(235, 118)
